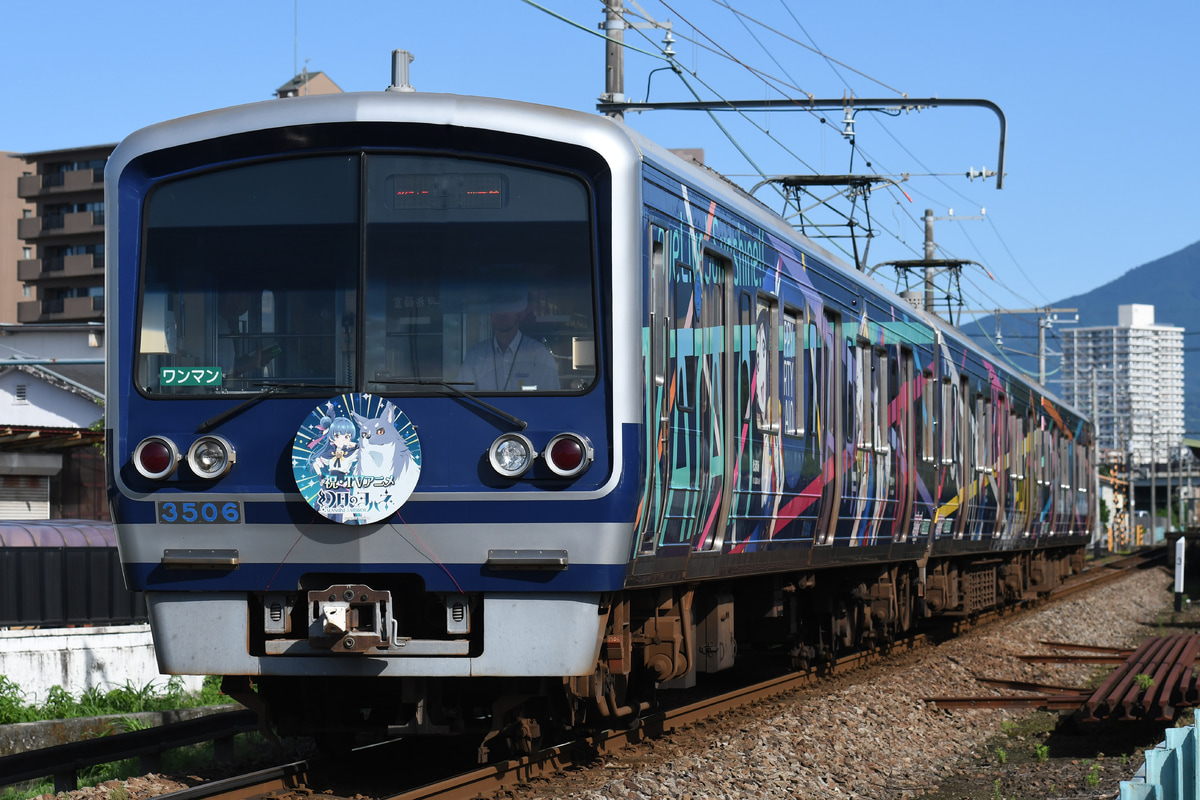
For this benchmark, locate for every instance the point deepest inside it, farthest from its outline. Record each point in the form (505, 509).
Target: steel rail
(253, 784)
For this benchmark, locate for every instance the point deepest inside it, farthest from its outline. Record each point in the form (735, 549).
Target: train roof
(57, 533)
(607, 136)
(746, 205)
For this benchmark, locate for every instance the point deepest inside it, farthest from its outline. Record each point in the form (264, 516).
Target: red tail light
(156, 458)
(568, 455)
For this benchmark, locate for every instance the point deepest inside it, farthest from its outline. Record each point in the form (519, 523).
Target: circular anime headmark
(356, 459)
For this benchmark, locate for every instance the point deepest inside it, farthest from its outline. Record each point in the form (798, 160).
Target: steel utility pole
(931, 265)
(614, 56)
(929, 252)
(1044, 321)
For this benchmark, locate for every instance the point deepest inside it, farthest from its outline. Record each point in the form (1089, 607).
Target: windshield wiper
(520, 423)
(270, 389)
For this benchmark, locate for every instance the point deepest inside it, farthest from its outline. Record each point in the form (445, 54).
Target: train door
(925, 468)
(695, 497)
(741, 520)
(827, 416)
(759, 467)
(1085, 497)
(659, 391)
(1008, 469)
(898, 460)
(1064, 505)
(715, 439)
(1044, 507)
(875, 420)
(964, 450)
(990, 495)
(794, 520)
(1022, 477)
(951, 486)
(856, 443)
(681, 494)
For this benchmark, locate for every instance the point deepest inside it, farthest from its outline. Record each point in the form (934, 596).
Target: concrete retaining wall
(24, 736)
(78, 659)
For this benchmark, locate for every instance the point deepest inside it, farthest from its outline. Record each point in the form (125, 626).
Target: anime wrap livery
(381, 523)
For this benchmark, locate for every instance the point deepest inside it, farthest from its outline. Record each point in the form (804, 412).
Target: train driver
(509, 361)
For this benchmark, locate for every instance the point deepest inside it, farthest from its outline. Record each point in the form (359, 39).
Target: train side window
(812, 349)
(1014, 444)
(948, 417)
(880, 366)
(658, 305)
(981, 417)
(791, 373)
(766, 362)
(966, 428)
(852, 382)
(831, 393)
(861, 388)
(926, 425)
(684, 319)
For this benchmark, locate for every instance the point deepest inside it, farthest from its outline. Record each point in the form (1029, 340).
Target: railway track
(302, 778)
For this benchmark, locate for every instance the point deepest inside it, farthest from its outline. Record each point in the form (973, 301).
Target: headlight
(211, 457)
(156, 458)
(511, 455)
(568, 455)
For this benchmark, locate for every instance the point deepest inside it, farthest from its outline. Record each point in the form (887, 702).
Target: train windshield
(389, 273)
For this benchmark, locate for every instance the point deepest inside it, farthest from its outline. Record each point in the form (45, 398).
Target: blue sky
(1100, 100)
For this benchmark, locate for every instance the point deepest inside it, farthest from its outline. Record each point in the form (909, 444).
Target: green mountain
(1171, 284)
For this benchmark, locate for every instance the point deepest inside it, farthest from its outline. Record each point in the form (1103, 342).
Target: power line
(794, 41)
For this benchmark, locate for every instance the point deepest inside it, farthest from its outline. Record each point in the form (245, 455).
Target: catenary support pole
(1180, 545)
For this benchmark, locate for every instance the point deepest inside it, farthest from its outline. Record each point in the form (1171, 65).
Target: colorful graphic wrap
(356, 459)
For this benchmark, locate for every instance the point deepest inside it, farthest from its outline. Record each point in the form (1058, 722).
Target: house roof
(28, 438)
(57, 533)
(86, 380)
(299, 80)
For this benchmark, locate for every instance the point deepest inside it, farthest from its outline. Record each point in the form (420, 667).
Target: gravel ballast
(871, 734)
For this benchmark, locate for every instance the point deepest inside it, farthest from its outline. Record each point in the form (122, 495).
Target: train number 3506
(188, 512)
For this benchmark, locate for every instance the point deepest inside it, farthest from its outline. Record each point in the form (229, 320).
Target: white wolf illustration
(382, 451)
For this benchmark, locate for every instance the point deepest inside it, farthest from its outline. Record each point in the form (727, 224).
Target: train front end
(372, 400)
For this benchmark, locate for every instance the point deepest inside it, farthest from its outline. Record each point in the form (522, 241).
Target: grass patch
(127, 699)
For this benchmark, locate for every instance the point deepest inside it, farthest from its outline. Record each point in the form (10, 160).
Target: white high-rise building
(1129, 380)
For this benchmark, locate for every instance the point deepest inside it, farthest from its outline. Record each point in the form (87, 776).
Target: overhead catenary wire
(785, 87)
(827, 58)
(680, 71)
(724, 53)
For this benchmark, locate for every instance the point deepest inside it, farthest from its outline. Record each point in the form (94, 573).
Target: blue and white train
(429, 413)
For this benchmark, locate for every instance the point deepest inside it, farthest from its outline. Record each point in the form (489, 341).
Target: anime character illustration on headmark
(356, 459)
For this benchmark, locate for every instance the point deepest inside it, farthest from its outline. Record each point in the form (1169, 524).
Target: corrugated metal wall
(55, 573)
(24, 497)
(59, 586)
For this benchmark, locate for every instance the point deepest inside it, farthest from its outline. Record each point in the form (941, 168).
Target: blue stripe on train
(437, 577)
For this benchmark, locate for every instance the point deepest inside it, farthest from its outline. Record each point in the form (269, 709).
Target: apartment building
(62, 263)
(1129, 379)
(12, 249)
(58, 221)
